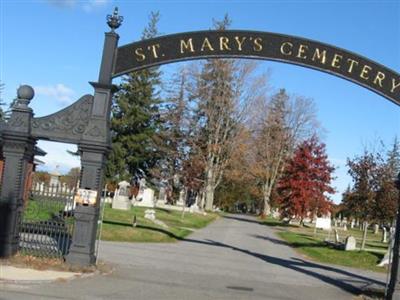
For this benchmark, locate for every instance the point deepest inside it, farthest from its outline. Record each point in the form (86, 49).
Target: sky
(55, 46)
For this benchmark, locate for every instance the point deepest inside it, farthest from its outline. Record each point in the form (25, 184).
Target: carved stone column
(18, 151)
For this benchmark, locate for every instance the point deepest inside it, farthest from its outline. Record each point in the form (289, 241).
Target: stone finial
(25, 94)
(114, 20)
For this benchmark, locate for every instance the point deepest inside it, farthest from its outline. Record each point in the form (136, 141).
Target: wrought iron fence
(47, 223)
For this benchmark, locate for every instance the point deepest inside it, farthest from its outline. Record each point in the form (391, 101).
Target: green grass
(37, 210)
(117, 225)
(312, 245)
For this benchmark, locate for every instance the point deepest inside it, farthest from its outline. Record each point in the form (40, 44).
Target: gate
(46, 225)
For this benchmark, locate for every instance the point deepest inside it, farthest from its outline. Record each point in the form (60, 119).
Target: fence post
(18, 151)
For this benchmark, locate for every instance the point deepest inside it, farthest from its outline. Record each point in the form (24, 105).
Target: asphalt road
(233, 258)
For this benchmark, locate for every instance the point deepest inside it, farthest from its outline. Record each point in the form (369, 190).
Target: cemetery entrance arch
(87, 121)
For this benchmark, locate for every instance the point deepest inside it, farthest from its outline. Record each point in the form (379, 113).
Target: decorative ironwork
(114, 20)
(67, 125)
(47, 223)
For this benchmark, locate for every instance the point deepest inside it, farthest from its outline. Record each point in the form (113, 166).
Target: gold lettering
(364, 72)
(302, 50)
(139, 54)
(379, 77)
(394, 85)
(257, 44)
(336, 59)
(352, 62)
(206, 43)
(240, 42)
(223, 43)
(321, 56)
(187, 45)
(284, 46)
(153, 49)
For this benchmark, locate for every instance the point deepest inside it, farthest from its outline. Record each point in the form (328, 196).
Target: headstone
(350, 243)
(376, 229)
(121, 196)
(162, 195)
(181, 200)
(55, 177)
(150, 214)
(323, 223)
(384, 235)
(353, 223)
(145, 198)
(345, 227)
(337, 239)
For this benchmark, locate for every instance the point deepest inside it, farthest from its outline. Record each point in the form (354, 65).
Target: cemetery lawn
(117, 225)
(304, 241)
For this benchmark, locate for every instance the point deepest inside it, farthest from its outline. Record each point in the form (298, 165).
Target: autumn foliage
(303, 188)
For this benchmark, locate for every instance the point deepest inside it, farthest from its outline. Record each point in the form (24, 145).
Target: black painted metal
(169, 48)
(47, 223)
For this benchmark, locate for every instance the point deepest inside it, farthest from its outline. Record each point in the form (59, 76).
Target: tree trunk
(266, 201)
(210, 188)
(364, 235)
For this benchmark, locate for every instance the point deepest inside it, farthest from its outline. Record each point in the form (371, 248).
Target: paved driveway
(233, 258)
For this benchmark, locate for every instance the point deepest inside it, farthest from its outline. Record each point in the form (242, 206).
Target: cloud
(91, 5)
(57, 156)
(86, 5)
(59, 92)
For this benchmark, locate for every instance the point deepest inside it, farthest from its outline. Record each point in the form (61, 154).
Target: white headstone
(337, 239)
(376, 229)
(384, 235)
(350, 243)
(353, 222)
(323, 223)
(121, 196)
(150, 214)
(145, 198)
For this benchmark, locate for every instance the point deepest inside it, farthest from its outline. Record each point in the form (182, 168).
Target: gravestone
(181, 200)
(350, 243)
(55, 178)
(337, 239)
(352, 224)
(150, 214)
(384, 235)
(323, 223)
(121, 196)
(145, 198)
(345, 227)
(376, 228)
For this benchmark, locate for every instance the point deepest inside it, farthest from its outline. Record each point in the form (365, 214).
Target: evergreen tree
(135, 120)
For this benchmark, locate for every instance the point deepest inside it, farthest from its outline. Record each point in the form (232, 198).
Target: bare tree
(282, 122)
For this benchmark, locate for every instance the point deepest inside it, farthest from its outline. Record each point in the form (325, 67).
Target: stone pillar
(94, 147)
(394, 284)
(82, 251)
(18, 151)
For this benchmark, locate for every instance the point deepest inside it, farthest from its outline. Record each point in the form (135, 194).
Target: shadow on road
(352, 285)
(166, 232)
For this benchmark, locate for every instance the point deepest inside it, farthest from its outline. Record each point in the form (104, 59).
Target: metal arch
(168, 50)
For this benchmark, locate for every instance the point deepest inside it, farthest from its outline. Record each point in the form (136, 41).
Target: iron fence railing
(47, 222)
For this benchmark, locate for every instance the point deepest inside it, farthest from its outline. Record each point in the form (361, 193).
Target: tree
(221, 91)
(280, 125)
(364, 172)
(135, 120)
(304, 186)
(172, 139)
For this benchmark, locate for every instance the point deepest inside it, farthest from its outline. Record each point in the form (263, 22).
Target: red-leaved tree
(303, 188)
